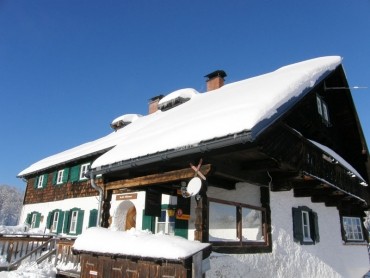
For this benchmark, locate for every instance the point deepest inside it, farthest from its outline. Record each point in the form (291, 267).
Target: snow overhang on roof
(236, 110)
(247, 106)
(333, 157)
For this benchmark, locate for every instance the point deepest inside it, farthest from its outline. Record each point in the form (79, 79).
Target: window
(33, 219)
(236, 223)
(166, 222)
(60, 176)
(73, 221)
(54, 226)
(322, 109)
(83, 170)
(353, 228)
(73, 224)
(40, 181)
(305, 226)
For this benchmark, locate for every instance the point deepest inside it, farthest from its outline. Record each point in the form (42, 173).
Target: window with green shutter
(73, 221)
(305, 226)
(33, 219)
(41, 181)
(61, 176)
(55, 221)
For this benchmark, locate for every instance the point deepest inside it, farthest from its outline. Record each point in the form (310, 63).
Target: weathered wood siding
(57, 192)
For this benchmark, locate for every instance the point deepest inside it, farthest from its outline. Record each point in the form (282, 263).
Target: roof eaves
(202, 147)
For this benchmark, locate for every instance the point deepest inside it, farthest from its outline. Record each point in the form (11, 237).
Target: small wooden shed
(111, 266)
(105, 253)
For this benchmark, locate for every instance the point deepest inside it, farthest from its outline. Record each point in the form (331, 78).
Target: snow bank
(22, 229)
(136, 243)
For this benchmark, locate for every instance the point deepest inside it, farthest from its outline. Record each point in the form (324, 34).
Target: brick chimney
(215, 80)
(153, 103)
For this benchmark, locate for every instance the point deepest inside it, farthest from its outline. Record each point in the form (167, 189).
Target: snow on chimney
(215, 80)
(153, 103)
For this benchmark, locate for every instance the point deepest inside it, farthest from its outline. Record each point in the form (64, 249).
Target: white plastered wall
(86, 204)
(328, 258)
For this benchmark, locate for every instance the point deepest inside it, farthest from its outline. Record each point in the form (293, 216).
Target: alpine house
(272, 170)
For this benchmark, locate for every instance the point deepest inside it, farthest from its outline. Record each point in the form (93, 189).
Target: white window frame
(54, 227)
(73, 223)
(60, 176)
(237, 234)
(167, 223)
(33, 220)
(322, 109)
(352, 227)
(306, 228)
(83, 170)
(40, 181)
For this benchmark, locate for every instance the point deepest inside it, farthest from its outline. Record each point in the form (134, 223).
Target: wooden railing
(16, 248)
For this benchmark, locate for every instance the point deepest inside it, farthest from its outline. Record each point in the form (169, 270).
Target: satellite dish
(194, 186)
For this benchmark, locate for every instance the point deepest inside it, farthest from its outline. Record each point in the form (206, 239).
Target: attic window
(176, 98)
(322, 109)
(124, 120)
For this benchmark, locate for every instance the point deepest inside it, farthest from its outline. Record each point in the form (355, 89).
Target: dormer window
(124, 120)
(322, 109)
(176, 98)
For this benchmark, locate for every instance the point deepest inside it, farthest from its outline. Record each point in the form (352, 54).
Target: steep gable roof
(249, 105)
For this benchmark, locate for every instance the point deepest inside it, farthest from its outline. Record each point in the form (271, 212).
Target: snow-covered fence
(14, 248)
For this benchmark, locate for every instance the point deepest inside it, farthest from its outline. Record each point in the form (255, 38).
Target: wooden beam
(159, 178)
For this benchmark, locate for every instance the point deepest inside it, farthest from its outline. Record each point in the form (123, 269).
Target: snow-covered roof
(231, 109)
(137, 243)
(338, 159)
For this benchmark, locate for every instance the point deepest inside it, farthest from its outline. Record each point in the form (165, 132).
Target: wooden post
(201, 215)
(106, 207)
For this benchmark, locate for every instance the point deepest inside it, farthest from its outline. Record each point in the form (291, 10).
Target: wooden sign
(129, 196)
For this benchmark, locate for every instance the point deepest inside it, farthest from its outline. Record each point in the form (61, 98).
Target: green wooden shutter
(65, 175)
(80, 220)
(49, 219)
(60, 221)
(55, 176)
(28, 218)
(297, 225)
(148, 222)
(314, 224)
(45, 180)
(93, 218)
(38, 218)
(36, 182)
(75, 173)
(67, 216)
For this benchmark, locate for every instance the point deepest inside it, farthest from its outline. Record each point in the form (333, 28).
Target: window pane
(251, 224)
(161, 227)
(306, 226)
(222, 222)
(353, 228)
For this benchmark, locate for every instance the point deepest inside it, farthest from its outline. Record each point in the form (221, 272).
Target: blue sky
(68, 68)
